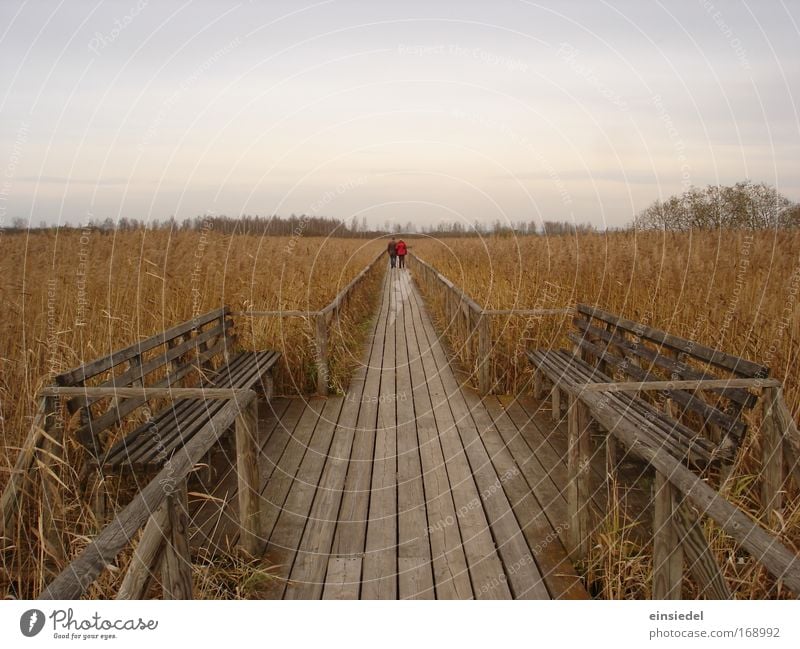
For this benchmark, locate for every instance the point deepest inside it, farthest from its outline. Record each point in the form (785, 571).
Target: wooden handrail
(148, 392)
(695, 384)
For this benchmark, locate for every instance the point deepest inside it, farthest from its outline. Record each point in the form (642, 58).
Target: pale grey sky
(420, 110)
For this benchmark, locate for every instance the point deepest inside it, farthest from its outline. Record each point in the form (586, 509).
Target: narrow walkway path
(410, 486)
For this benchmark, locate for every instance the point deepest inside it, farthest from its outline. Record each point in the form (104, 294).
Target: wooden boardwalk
(408, 487)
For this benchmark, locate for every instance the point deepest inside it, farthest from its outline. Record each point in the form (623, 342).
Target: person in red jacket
(402, 249)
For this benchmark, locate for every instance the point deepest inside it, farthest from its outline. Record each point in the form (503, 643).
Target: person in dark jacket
(392, 250)
(401, 253)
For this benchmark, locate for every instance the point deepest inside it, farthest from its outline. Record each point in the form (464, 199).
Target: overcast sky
(398, 111)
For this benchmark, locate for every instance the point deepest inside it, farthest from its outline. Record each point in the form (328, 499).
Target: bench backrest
(629, 350)
(176, 357)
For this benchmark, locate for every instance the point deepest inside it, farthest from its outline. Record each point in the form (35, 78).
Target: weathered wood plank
(578, 486)
(251, 513)
(667, 550)
(449, 564)
(147, 555)
(343, 579)
(380, 556)
(176, 562)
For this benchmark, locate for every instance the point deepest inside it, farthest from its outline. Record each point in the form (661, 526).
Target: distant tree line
(319, 226)
(745, 205)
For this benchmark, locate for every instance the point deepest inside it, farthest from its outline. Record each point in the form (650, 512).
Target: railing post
(251, 512)
(176, 561)
(771, 454)
(578, 486)
(667, 550)
(51, 455)
(322, 353)
(484, 351)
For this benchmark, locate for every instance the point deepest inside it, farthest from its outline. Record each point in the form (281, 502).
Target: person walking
(402, 249)
(392, 250)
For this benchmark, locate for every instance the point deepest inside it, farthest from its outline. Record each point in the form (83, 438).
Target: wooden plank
(697, 384)
(49, 460)
(251, 514)
(147, 555)
(730, 362)
(578, 486)
(699, 557)
(280, 482)
(771, 457)
(484, 354)
(93, 368)
(149, 392)
(667, 550)
(223, 530)
(380, 556)
(791, 438)
(555, 400)
(343, 578)
(176, 562)
(10, 501)
(321, 341)
(415, 571)
(449, 563)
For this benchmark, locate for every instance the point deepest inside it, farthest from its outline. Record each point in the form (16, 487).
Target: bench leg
(771, 455)
(578, 485)
(667, 549)
(555, 395)
(538, 387)
(251, 514)
(176, 562)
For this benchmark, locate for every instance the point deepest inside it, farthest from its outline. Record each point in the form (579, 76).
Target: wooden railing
(322, 320)
(469, 321)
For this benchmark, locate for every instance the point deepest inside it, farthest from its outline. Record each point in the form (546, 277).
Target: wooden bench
(679, 406)
(701, 426)
(185, 386)
(196, 354)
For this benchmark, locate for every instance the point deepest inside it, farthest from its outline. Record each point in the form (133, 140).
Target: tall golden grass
(71, 297)
(735, 291)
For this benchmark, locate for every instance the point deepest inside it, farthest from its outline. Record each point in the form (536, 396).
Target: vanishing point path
(410, 486)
